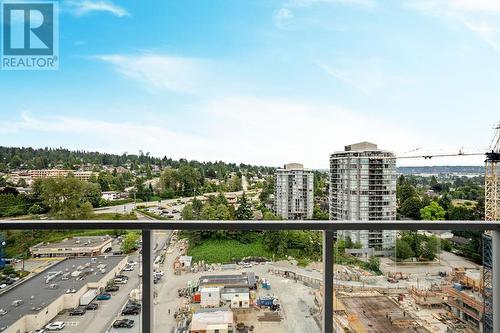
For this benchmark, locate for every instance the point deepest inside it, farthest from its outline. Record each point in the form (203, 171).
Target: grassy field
(114, 216)
(465, 203)
(225, 251)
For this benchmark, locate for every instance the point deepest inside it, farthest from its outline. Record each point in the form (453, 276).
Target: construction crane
(491, 213)
(492, 179)
(428, 156)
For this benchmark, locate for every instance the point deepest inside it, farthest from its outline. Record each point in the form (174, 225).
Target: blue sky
(263, 81)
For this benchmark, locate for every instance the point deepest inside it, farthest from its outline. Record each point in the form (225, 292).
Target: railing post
(328, 281)
(147, 282)
(495, 246)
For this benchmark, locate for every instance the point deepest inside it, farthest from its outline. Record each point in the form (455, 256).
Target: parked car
(131, 311)
(3, 312)
(17, 302)
(79, 311)
(112, 288)
(123, 323)
(55, 326)
(103, 297)
(128, 268)
(92, 306)
(121, 280)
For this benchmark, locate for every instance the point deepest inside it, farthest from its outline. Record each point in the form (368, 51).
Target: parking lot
(101, 320)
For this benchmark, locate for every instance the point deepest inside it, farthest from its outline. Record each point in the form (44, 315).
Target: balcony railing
(328, 227)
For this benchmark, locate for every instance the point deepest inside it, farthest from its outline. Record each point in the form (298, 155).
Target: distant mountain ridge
(467, 169)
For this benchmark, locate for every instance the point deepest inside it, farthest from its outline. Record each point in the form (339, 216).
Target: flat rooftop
(36, 294)
(73, 242)
(214, 318)
(243, 280)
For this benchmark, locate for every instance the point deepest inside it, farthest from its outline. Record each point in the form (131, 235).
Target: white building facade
(363, 188)
(294, 192)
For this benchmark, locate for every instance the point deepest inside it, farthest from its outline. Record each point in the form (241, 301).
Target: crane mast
(492, 179)
(491, 213)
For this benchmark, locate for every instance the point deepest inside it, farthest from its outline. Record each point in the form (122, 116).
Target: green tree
(36, 209)
(244, 211)
(373, 264)
(458, 213)
(429, 248)
(319, 214)
(432, 212)
(269, 216)
(187, 212)
(66, 197)
(411, 208)
(130, 242)
(405, 191)
(403, 250)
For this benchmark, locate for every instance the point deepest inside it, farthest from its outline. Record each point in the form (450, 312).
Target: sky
(264, 82)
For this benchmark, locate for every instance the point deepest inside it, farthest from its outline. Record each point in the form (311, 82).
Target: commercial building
(35, 302)
(113, 195)
(210, 297)
(216, 320)
(243, 280)
(51, 173)
(363, 187)
(294, 192)
(239, 298)
(74, 247)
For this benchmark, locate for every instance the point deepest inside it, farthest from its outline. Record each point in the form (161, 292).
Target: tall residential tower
(363, 187)
(293, 194)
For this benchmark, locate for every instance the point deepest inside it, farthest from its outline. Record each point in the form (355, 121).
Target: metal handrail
(328, 228)
(248, 225)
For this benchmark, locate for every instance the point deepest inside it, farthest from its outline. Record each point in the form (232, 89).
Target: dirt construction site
(416, 300)
(377, 313)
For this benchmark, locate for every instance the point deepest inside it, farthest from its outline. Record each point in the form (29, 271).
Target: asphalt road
(170, 203)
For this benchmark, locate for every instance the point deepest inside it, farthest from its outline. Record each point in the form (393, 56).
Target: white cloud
(481, 17)
(238, 129)
(285, 19)
(356, 3)
(84, 7)
(489, 33)
(159, 72)
(367, 76)
(464, 6)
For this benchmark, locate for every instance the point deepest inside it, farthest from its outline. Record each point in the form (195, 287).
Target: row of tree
(31, 158)
(190, 181)
(61, 197)
(415, 204)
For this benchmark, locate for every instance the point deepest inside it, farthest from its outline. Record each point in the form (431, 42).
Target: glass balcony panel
(427, 281)
(84, 281)
(234, 281)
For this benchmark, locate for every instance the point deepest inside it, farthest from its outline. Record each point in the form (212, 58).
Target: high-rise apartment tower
(363, 187)
(294, 192)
